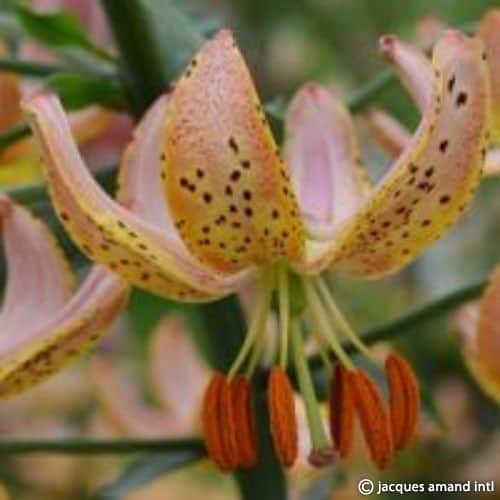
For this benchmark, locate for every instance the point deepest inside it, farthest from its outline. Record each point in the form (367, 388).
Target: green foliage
(78, 90)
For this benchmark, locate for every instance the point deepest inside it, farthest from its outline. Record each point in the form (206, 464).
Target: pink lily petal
(39, 277)
(228, 191)
(127, 240)
(323, 157)
(178, 374)
(430, 184)
(388, 132)
(478, 325)
(42, 326)
(123, 407)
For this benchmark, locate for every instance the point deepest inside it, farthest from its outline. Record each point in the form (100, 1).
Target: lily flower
(478, 327)
(44, 323)
(214, 205)
(393, 136)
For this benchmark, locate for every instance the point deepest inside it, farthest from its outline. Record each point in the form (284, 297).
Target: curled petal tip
(386, 44)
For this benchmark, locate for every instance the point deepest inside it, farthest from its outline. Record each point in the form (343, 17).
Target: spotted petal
(479, 327)
(226, 185)
(392, 136)
(431, 182)
(322, 155)
(127, 240)
(489, 31)
(42, 326)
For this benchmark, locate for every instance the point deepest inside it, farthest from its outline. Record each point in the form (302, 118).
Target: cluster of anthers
(230, 432)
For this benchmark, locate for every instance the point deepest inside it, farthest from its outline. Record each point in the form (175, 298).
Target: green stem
(370, 91)
(414, 319)
(139, 50)
(78, 446)
(29, 68)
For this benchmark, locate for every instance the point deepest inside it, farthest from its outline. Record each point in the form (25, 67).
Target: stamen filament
(322, 325)
(340, 319)
(258, 320)
(315, 423)
(284, 314)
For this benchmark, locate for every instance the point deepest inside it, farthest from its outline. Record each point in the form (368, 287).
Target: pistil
(322, 452)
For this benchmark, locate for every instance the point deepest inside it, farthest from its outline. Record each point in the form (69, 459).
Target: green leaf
(78, 90)
(57, 29)
(147, 469)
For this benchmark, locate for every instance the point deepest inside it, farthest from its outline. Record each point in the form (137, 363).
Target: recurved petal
(489, 32)
(323, 157)
(39, 280)
(434, 178)
(392, 136)
(74, 328)
(479, 328)
(126, 242)
(387, 132)
(226, 185)
(174, 357)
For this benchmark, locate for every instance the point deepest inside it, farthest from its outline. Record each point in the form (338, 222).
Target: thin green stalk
(29, 68)
(139, 50)
(14, 134)
(78, 446)
(414, 319)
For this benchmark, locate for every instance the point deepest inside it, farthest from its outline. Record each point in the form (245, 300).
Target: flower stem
(79, 446)
(139, 50)
(29, 68)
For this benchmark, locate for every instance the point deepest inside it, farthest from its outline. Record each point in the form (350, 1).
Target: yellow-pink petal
(225, 182)
(126, 239)
(479, 327)
(43, 327)
(489, 32)
(434, 178)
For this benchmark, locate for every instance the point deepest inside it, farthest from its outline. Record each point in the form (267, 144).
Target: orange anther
(404, 399)
(342, 411)
(282, 416)
(246, 434)
(374, 419)
(218, 424)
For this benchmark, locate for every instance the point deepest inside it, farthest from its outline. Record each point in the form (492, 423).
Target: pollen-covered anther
(219, 424)
(342, 411)
(283, 420)
(404, 399)
(246, 439)
(373, 417)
